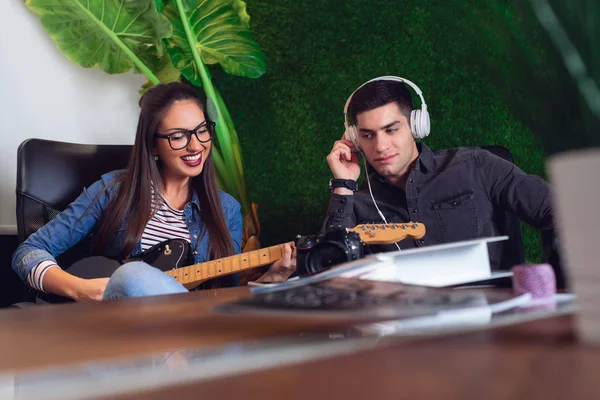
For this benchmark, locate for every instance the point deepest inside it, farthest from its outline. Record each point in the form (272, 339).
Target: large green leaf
(164, 71)
(160, 5)
(222, 36)
(240, 8)
(114, 35)
(233, 139)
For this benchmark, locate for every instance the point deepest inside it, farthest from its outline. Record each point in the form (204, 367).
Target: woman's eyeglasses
(180, 139)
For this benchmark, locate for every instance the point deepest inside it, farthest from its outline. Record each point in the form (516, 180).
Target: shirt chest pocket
(456, 216)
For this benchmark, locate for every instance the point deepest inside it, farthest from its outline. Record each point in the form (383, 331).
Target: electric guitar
(171, 256)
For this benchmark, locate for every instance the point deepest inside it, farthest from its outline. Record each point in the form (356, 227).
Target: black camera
(316, 253)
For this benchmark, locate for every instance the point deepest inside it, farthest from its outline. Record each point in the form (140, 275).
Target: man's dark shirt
(454, 193)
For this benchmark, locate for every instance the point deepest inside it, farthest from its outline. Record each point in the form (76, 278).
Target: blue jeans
(138, 279)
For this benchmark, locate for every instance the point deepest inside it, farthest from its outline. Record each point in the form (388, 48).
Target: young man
(453, 192)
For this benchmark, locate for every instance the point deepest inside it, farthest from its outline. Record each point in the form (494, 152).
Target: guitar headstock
(389, 233)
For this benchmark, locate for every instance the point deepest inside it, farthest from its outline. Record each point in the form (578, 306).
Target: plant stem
(210, 93)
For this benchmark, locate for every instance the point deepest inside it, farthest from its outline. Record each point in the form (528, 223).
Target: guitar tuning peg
(374, 227)
(364, 227)
(404, 226)
(415, 226)
(395, 226)
(384, 227)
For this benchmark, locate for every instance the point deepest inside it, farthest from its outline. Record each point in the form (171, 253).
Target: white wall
(43, 94)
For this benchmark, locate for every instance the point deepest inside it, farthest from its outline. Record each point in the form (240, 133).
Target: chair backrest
(51, 174)
(508, 223)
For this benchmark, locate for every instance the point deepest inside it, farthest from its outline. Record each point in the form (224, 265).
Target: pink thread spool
(537, 279)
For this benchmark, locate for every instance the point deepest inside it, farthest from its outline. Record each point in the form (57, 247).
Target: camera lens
(325, 256)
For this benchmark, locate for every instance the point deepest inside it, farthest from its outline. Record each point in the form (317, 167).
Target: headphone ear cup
(425, 124)
(414, 129)
(352, 136)
(419, 123)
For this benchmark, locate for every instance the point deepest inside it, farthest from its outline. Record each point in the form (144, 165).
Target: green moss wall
(318, 52)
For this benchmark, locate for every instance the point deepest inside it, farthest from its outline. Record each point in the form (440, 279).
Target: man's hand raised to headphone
(344, 163)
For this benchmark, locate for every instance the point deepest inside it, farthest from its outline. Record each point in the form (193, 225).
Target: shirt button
(195, 252)
(415, 210)
(190, 221)
(195, 236)
(410, 180)
(422, 241)
(341, 210)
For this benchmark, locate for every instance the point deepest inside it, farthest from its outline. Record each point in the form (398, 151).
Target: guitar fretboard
(193, 275)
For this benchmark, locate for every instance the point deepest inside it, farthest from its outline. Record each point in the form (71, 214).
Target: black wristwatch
(343, 183)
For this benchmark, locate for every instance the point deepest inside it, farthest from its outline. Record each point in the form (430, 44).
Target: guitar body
(167, 255)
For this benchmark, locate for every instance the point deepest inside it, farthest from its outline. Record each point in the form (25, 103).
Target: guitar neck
(193, 275)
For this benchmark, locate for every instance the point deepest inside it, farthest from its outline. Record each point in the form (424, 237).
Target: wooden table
(534, 360)
(537, 360)
(51, 335)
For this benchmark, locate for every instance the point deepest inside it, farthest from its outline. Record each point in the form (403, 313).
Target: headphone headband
(419, 118)
(385, 78)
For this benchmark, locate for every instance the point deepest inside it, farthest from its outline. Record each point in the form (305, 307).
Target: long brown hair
(133, 199)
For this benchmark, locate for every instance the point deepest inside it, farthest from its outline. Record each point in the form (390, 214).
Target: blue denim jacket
(68, 228)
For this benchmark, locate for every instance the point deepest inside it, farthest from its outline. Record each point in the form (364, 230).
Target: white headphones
(419, 118)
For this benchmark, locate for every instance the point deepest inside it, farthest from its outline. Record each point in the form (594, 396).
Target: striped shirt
(166, 223)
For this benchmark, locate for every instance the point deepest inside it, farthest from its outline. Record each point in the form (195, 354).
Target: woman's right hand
(92, 289)
(64, 284)
(343, 160)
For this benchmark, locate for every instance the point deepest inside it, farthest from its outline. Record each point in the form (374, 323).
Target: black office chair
(551, 255)
(50, 175)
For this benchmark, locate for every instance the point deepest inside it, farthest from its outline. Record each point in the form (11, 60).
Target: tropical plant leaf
(240, 8)
(160, 5)
(232, 140)
(232, 166)
(224, 174)
(114, 35)
(222, 36)
(164, 71)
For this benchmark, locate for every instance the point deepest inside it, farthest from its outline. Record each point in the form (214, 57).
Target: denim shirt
(78, 221)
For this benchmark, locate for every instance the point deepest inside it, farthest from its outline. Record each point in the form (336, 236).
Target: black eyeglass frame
(210, 125)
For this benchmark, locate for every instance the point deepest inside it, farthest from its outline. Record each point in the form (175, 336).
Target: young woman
(167, 191)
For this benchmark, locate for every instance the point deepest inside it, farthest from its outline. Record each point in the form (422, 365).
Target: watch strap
(343, 183)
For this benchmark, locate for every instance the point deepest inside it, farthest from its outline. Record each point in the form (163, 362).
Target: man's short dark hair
(379, 93)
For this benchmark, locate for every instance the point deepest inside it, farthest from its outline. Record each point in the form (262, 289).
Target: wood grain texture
(51, 335)
(536, 360)
(533, 360)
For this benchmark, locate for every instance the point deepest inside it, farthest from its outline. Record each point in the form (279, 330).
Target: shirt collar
(195, 200)
(425, 157)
